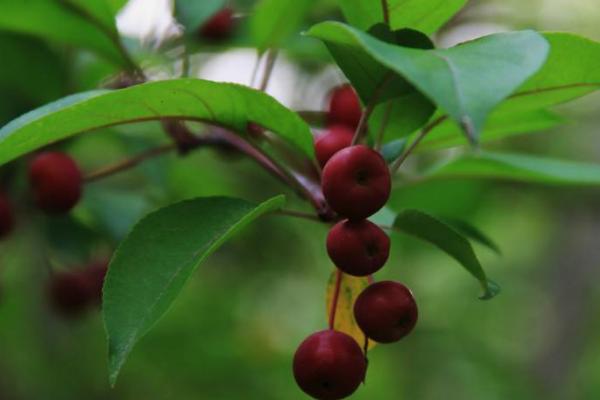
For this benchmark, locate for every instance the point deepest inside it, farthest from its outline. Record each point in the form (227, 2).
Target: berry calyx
(386, 311)
(358, 248)
(219, 26)
(335, 139)
(344, 107)
(7, 221)
(56, 182)
(329, 365)
(356, 182)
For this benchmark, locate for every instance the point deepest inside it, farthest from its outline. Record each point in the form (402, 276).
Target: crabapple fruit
(336, 138)
(56, 182)
(344, 107)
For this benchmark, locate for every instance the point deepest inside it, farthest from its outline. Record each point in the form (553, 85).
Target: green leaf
(447, 239)
(53, 21)
(472, 232)
(500, 125)
(273, 21)
(116, 5)
(521, 168)
(98, 11)
(229, 105)
(193, 13)
(423, 15)
(392, 150)
(466, 81)
(572, 71)
(151, 266)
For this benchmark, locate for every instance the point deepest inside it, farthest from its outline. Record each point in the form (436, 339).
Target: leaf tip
(491, 290)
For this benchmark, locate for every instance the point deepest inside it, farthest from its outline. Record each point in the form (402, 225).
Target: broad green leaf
(467, 81)
(193, 13)
(472, 232)
(229, 105)
(273, 21)
(116, 5)
(401, 109)
(51, 20)
(521, 168)
(98, 11)
(392, 150)
(447, 239)
(350, 288)
(423, 15)
(151, 266)
(572, 71)
(500, 125)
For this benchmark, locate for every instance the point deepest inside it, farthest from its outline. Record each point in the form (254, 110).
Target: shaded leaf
(472, 232)
(447, 239)
(392, 150)
(229, 105)
(153, 263)
(193, 13)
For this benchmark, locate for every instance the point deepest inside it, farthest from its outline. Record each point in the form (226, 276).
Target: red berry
(56, 182)
(219, 26)
(358, 248)
(386, 311)
(329, 365)
(7, 221)
(95, 274)
(332, 141)
(344, 107)
(356, 182)
(69, 293)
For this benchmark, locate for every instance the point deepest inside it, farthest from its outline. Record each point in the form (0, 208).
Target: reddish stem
(336, 295)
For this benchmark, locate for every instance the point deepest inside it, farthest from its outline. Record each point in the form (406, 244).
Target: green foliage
(192, 13)
(273, 21)
(447, 239)
(229, 105)
(99, 12)
(466, 81)
(424, 15)
(54, 21)
(153, 263)
(519, 167)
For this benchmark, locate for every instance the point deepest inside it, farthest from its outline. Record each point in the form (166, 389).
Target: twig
(386, 119)
(396, 165)
(270, 64)
(259, 58)
(386, 12)
(362, 125)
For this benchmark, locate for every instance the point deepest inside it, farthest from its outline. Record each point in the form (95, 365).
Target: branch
(362, 125)
(386, 11)
(271, 58)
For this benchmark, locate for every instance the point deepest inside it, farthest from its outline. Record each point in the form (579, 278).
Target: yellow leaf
(350, 288)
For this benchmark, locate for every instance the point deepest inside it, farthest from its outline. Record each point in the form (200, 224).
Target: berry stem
(336, 295)
(269, 66)
(386, 12)
(257, 62)
(398, 163)
(362, 125)
(384, 122)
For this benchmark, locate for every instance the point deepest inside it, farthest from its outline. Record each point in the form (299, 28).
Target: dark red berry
(329, 365)
(358, 248)
(219, 26)
(344, 107)
(356, 182)
(386, 311)
(7, 221)
(56, 182)
(69, 293)
(336, 138)
(95, 274)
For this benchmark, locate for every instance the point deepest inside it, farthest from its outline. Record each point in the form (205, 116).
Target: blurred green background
(233, 332)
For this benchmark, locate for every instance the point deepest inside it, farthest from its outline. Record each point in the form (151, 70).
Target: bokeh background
(233, 332)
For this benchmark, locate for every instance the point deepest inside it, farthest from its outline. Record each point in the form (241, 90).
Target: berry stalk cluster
(356, 183)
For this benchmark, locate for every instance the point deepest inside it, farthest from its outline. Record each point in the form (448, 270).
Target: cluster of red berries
(356, 183)
(73, 292)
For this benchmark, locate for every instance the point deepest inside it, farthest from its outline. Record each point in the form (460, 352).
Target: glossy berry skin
(219, 26)
(386, 311)
(7, 221)
(336, 138)
(56, 182)
(69, 293)
(329, 365)
(358, 248)
(356, 182)
(344, 107)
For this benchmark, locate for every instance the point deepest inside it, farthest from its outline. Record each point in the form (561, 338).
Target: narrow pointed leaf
(447, 239)
(152, 264)
(229, 105)
(472, 232)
